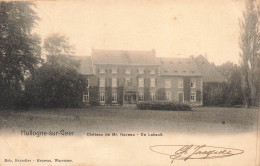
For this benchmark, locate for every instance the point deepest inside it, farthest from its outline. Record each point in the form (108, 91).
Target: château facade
(121, 77)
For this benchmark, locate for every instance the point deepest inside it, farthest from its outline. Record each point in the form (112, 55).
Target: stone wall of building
(186, 89)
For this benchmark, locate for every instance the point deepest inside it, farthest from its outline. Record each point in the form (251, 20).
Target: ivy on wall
(146, 94)
(161, 94)
(120, 92)
(146, 89)
(186, 88)
(94, 95)
(198, 95)
(108, 95)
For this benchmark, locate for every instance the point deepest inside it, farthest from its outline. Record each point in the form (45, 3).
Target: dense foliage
(59, 52)
(19, 49)
(163, 105)
(250, 52)
(227, 93)
(54, 87)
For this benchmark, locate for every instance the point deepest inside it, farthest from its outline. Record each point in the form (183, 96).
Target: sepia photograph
(130, 82)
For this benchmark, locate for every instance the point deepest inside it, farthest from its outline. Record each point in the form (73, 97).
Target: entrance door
(130, 98)
(181, 97)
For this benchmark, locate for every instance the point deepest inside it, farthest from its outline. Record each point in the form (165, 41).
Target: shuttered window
(102, 96)
(114, 82)
(193, 96)
(141, 82)
(180, 83)
(193, 83)
(152, 95)
(141, 95)
(102, 82)
(152, 82)
(114, 96)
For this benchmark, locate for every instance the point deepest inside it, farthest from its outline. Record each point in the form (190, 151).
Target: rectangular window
(152, 82)
(127, 71)
(127, 81)
(193, 96)
(168, 84)
(152, 71)
(86, 97)
(193, 83)
(152, 95)
(141, 82)
(114, 96)
(180, 83)
(87, 84)
(114, 82)
(102, 71)
(141, 71)
(141, 95)
(102, 96)
(102, 82)
(114, 71)
(168, 95)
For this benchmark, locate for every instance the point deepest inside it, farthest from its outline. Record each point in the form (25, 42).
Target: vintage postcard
(129, 82)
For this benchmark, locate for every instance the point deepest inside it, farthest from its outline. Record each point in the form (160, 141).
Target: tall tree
(231, 89)
(19, 48)
(59, 51)
(249, 44)
(54, 86)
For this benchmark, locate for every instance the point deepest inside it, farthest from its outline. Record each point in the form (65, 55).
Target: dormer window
(152, 71)
(127, 71)
(141, 71)
(114, 71)
(102, 71)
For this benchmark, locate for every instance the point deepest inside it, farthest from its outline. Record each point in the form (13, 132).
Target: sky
(174, 28)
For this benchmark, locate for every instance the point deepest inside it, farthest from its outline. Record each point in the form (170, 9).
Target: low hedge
(163, 105)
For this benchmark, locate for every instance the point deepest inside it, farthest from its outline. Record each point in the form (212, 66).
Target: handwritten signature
(186, 152)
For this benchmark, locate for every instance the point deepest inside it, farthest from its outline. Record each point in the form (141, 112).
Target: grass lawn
(128, 118)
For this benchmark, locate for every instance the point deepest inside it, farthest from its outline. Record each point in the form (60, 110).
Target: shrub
(163, 105)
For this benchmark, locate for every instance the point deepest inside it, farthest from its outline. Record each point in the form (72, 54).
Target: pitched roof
(208, 71)
(124, 57)
(178, 67)
(86, 65)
